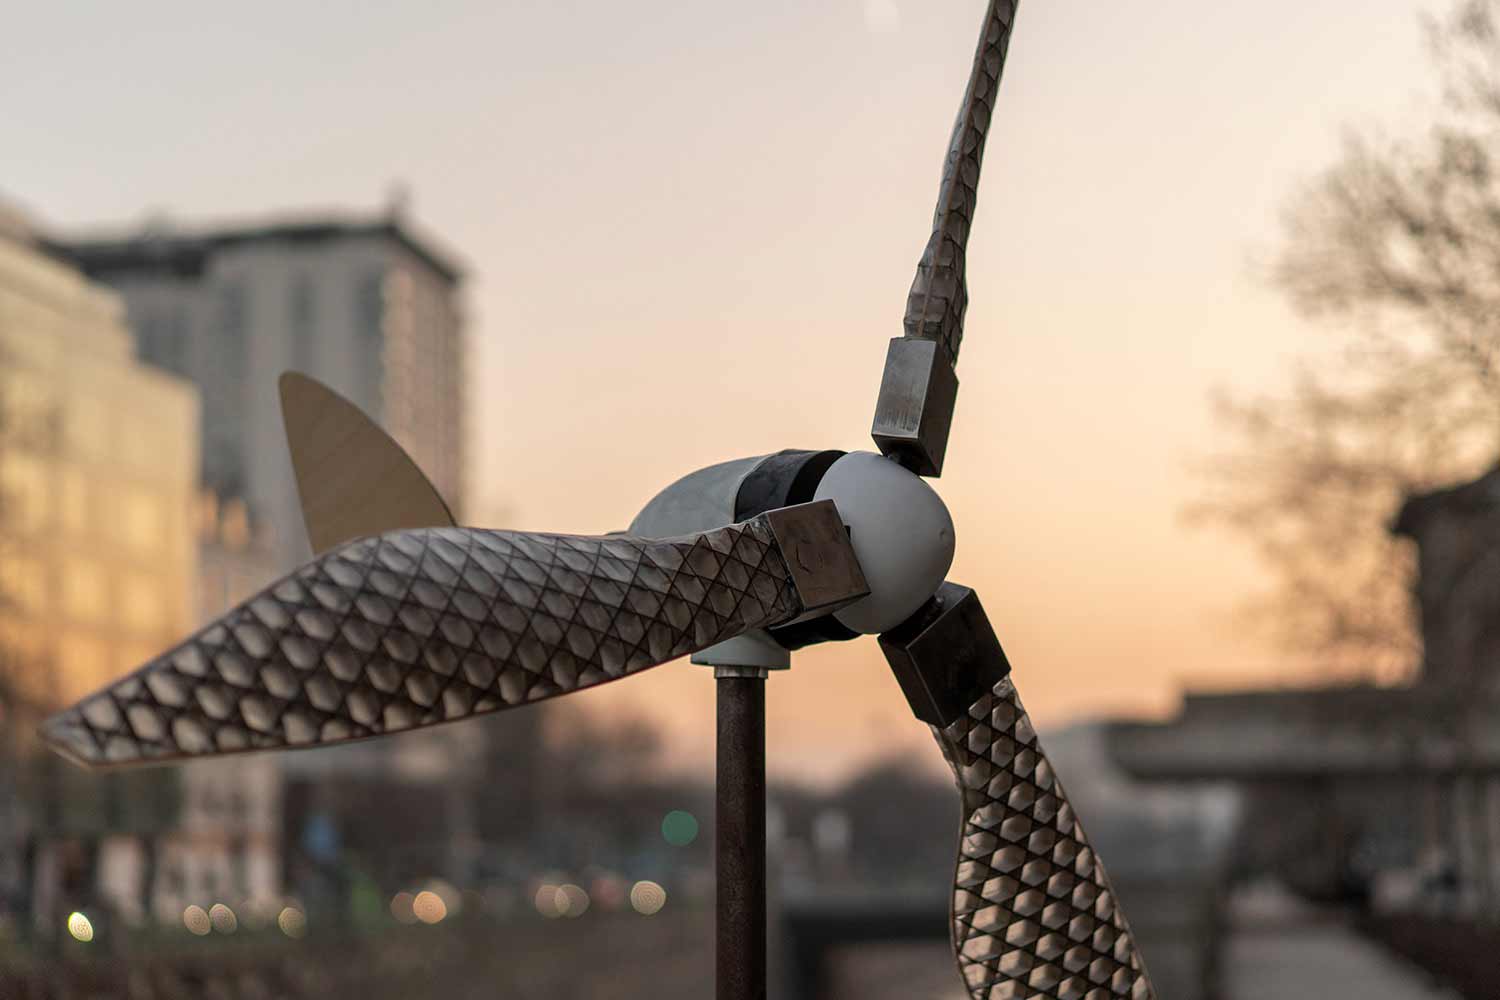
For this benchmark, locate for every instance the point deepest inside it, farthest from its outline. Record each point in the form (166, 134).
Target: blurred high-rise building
(363, 304)
(98, 472)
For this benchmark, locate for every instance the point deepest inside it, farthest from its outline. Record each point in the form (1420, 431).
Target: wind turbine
(404, 620)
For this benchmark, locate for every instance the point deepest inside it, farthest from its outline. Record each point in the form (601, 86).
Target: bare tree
(1395, 249)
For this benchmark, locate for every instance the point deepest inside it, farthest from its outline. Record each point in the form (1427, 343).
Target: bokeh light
(453, 900)
(429, 907)
(401, 908)
(292, 921)
(572, 901)
(679, 828)
(647, 898)
(223, 919)
(80, 927)
(546, 900)
(195, 919)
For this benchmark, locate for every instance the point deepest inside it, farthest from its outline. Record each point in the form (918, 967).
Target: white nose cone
(901, 532)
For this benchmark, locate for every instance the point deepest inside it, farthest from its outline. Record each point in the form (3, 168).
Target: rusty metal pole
(740, 831)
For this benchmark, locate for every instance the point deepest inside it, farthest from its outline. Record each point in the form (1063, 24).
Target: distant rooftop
(184, 250)
(1357, 729)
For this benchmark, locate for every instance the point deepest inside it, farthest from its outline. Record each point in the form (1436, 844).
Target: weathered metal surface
(781, 480)
(414, 628)
(1033, 914)
(914, 415)
(946, 656)
(935, 307)
(914, 410)
(740, 838)
(819, 557)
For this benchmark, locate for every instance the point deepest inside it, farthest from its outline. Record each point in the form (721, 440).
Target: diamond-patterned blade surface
(1033, 914)
(939, 296)
(424, 626)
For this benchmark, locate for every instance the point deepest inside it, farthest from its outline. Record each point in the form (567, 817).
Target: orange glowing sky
(691, 226)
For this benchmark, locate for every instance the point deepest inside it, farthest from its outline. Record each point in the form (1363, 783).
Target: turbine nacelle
(899, 527)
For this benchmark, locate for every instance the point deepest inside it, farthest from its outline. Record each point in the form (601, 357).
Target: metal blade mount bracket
(914, 411)
(915, 407)
(946, 656)
(418, 627)
(1033, 912)
(353, 479)
(819, 556)
(827, 574)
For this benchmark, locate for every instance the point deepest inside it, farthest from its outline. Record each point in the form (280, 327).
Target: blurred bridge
(1347, 787)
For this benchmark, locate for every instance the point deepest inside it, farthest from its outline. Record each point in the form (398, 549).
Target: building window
(73, 501)
(141, 605)
(302, 323)
(369, 340)
(141, 520)
(224, 390)
(90, 427)
(28, 410)
(161, 339)
(85, 592)
(23, 494)
(23, 584)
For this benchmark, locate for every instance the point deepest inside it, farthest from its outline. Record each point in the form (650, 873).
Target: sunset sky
(691, 226)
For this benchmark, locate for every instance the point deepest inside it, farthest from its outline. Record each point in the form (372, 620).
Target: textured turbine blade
(1033, 911)
(418, 627)
(353, 479)
(935, 307)
(919, 386)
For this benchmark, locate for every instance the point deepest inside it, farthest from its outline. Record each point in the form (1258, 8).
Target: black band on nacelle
(810, 633)
(784, 479)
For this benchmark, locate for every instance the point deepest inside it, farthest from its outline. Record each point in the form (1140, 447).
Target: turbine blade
(919, 387)
(354, 480)
(419, 627)
(1031, 900)
(1033, 912)
(939, 294)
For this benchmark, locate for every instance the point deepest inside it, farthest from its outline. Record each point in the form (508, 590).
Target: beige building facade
(98, 469)
(109, 553)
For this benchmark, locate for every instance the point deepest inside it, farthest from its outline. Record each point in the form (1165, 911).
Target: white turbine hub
(901, 532)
